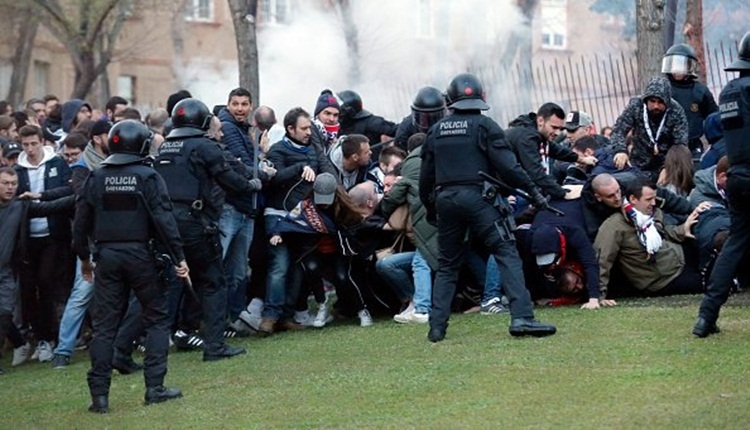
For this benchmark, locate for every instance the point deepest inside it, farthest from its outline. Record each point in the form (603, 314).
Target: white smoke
(400, 48)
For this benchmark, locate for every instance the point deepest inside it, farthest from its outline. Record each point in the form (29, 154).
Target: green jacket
(406, 190)
(617, 242)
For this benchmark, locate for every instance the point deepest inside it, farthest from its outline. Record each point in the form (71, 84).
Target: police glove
(431, 217)
(255, 184)
(539, 201)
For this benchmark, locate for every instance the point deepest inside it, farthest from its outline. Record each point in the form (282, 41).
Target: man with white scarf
(649, 254)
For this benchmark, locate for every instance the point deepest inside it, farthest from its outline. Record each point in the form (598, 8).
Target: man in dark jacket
(14, 215)
(43, 176)
(238, 215)
(656, 121)
(297, 162)
(531, 137)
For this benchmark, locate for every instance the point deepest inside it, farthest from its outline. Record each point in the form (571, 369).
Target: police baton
(163, 239)
(384, 143)
(515, 191)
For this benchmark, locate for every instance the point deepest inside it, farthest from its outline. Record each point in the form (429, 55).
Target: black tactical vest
(458, 156)
(121, 213)
(734, 105)
(173, 164)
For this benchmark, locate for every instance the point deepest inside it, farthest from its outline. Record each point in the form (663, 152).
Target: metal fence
(600, 85)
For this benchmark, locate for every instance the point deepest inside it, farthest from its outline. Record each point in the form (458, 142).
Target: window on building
(126, 88)
(275, 11)
(200, 10)
(554, 24)
(424, 18)
(41, 79)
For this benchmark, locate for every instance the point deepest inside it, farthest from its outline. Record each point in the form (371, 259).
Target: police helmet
(465, 92)
(129, 141)
(351, 105)
(190, 117)
(743, 52)
(680, 59)
(428, 108)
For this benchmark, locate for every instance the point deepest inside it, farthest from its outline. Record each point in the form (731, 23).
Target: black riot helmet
(743, 52)
(428, 108)
(351, 106)
(465, 92)
(680, 59)
(129, 142)
(190, 117)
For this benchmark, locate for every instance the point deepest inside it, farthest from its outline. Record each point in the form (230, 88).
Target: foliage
(634, 366)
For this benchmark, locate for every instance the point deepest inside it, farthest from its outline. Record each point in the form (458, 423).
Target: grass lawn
(634, 366)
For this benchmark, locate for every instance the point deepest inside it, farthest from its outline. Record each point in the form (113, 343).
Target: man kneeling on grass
(650, 254)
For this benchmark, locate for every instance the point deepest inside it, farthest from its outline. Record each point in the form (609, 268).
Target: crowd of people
(197, 225)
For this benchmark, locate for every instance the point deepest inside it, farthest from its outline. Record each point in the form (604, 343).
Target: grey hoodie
(69, 111)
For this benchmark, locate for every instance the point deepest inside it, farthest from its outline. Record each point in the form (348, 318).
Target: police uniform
(195, 171)
(457, 147)
(734, 105)
(124, 205)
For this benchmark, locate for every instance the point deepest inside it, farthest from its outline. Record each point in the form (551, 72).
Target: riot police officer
(124, 205)
(194, 169)
(734, 105)
(457, 147)
(357, 120)
(680, 64)
(427, 109)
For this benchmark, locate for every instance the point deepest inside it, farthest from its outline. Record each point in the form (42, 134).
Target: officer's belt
(459, 184)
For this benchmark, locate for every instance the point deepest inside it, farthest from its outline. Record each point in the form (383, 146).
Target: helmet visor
(679, 64)
(424, 120)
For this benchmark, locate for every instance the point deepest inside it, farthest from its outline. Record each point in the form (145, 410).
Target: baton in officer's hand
(515, 191)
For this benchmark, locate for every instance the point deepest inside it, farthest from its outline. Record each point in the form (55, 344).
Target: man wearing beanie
(326, 120)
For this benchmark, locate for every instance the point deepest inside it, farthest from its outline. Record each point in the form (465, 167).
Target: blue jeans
(282, 281)
(422, 284)
(236, 237)
(75, 310)
(491, 281)
(398, 269)
(396, 272)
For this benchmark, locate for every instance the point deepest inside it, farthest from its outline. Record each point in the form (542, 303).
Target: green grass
(634, 366)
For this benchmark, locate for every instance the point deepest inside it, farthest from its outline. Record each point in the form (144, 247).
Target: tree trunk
(693, 32)
(21, 61)
(178, 44)
(243, 18)
(670, 15)
(351, 34)
(85, 75)
(649, 24)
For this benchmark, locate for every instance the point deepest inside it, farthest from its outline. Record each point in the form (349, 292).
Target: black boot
(225, 352)
(161, 394)
(704, 328)
(436, 335)
(125, 365)
(5, 322)
(530, 327)
(99, 405)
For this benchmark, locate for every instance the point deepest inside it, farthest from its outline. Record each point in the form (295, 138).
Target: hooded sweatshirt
(70, 111)
(51, 178)
(653, 137)
(347, 179)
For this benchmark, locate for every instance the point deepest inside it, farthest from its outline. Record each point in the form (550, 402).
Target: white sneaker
(403, 317)
(365, 320)
(21, 354)
(417, 318)
(251, 320)
(45, 350)
(303, 318)
(323, 316)
(411, 317)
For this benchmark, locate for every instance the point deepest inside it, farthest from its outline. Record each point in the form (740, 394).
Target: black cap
(11, 149)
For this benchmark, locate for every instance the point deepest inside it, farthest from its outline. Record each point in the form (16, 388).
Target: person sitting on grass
(649, 253)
